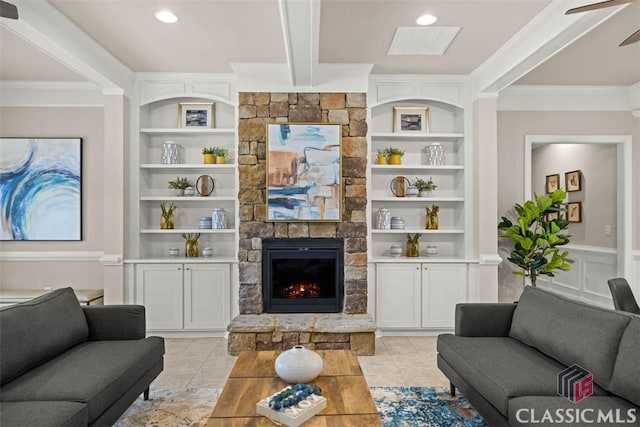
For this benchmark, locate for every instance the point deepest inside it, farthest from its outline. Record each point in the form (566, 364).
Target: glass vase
(413, 246)
(431, 221)
(167, 222)
(191, 248)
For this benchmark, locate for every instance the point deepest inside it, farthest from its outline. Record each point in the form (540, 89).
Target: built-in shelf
(187, 230)
(182, 131)
(417, 199)
(418, 230)
(428, 136)
(407, 260)
(409, 167)
(187, 198)
(200, 166)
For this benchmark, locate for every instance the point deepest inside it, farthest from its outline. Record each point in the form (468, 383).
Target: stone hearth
(315, 331)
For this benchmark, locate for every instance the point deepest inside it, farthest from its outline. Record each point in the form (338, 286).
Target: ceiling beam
(300, 22)
(545, 35)
(46, 28)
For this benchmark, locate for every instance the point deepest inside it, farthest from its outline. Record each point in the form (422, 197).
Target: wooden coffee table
(253, 377)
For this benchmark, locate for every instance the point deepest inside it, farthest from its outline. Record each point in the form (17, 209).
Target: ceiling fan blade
(633, 38)
(8, 10)
(600, 5)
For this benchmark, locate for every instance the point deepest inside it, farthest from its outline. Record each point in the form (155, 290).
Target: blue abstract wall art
(303, 172)
(41, 188)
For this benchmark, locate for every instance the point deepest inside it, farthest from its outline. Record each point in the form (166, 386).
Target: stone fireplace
(253, 328)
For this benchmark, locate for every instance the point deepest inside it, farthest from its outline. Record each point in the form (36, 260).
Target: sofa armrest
(115, 322)
(484, 319)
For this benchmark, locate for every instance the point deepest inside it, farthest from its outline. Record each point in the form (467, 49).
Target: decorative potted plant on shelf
(179, 184)
(537, 233)
(167, 216)
(395, 155)
(413, 245)
(432, 217)
(221, 154)
(382, 156)
(208, 155)
(191, 245)
(424, 187)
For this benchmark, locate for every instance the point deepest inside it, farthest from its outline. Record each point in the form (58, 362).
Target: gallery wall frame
(552, 183)
(574, 211)
(573, 181)
(41, 189)
(304, 173)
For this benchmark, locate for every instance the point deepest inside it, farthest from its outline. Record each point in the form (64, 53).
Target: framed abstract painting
(304, 172)
(41, 188)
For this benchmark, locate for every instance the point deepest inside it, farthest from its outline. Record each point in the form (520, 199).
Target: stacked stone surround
(256, 110)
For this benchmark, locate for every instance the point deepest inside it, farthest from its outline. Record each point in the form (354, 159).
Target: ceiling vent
(422, 40)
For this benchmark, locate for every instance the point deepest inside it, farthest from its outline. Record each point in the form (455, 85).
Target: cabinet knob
(179, 268)
(187, 269)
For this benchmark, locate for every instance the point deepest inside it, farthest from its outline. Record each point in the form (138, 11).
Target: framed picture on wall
(41, 188)
(304, 172)
(552, 183)
(410, 119)
(574, 212)
(196, 114)
(553, 216)
(573, 180)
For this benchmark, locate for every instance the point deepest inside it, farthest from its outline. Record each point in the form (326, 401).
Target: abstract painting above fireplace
(302, 275)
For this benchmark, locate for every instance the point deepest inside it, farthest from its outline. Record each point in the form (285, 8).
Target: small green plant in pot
(395, 155)
(209, 155)
(221, 154)
(382, 158)
(537, 232)
(179, 184)
(424, 187)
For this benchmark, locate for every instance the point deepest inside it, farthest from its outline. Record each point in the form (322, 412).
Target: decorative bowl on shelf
(174, 252)
(298, 365)
(395, 251)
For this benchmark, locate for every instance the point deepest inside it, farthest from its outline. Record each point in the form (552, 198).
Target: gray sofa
(506, 360)
(62, 364)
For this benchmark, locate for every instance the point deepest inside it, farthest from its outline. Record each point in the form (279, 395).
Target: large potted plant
(537, 232)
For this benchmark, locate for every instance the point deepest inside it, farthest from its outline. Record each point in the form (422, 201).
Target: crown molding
(569, 98)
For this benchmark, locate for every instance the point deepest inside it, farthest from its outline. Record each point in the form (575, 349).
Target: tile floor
(204, 363)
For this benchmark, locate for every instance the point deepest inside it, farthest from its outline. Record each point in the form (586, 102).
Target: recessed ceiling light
(166, 16)
(427, 19)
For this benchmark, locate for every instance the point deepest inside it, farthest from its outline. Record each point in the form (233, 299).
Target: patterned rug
(398, 407)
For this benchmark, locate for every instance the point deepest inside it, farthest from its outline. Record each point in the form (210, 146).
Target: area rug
(397, 406)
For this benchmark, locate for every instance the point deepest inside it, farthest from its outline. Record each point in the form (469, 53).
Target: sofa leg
(146, 393)
(452, 389)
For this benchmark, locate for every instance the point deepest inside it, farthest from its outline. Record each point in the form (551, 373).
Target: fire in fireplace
(303, 275)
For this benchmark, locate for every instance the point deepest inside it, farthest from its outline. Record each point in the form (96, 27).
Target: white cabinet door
(398, 295)
(443, 286)
(207, 296)
(159, 289)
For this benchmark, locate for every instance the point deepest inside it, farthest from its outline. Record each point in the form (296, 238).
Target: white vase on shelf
(298, 365)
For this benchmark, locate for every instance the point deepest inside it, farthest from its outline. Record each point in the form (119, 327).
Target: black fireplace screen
(302, 275)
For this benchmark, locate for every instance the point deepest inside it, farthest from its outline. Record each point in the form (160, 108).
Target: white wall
(512, 128)
(597, 162)
(35, 272)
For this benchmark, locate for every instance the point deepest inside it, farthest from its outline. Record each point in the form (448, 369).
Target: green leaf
(544, 203)
(526, 243)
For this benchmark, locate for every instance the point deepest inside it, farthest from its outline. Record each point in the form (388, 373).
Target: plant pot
(167, 222)
(221, 160)
(191, 248)
(423, 193)
(208, 159)
(178, 192)
(382, 160)
(395, 159)
(432, 222)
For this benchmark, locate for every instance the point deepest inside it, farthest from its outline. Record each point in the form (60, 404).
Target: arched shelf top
(175, 96)
(396, 99)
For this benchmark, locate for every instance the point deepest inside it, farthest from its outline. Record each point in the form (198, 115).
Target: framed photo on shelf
(304, 172)
(573, 180)
(411, 119)
(552, 183)
(42, 196)
(574, 211)
(196, 114)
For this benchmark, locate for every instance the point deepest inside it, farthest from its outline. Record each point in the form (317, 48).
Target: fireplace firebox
(302, 275)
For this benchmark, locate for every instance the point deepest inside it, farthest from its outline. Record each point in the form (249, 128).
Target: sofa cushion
(500, 368)
(38, 330)
(96, 373)
(595, 410)
(43, 414)
(569, 331)
(626, 373)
